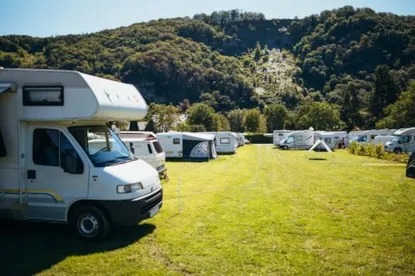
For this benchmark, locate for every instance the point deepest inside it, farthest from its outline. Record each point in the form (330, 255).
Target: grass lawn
(261, 211)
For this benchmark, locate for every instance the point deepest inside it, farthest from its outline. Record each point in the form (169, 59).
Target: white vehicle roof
(85, 97)
(188, 135)
(404, 131)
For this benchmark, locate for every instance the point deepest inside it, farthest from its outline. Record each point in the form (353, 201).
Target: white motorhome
(302, 139)
(50, 171)
(367, 137)
(382, 139)
(352, 136)
(225, 141)
(188, 146)
(279, 135)
(403, 141)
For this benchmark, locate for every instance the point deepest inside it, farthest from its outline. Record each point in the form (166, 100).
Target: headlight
(130, 188)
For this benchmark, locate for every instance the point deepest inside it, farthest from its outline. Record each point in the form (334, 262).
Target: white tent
(316, 144)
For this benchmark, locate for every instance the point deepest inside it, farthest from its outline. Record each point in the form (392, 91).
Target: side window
(280, 134)
(46, 147)
(406, 139)
(176, 141)
(149, 149)
(3, 151)
(327, 140)
(225, 140)
(363, 138)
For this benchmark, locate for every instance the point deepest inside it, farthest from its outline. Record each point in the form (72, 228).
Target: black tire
(397, 150)
(285, 148)
(90, 223)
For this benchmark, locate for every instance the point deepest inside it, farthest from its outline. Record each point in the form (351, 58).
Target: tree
(320, 116)
(220, 123)
(201, 114)
(164, 116)
(253, 120)
(151, 126)
(401, 113)
(236, 119)
(276, 116)
(349, 111)
(257, 52)
(386, 91)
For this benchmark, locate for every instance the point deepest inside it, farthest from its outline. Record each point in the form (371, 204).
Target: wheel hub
(88, 224)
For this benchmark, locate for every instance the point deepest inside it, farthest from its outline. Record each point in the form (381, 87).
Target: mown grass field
(262, 211)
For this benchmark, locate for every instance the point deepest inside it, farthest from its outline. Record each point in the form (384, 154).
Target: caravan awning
(7, 87)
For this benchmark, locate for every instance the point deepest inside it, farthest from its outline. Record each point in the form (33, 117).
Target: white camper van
(302, 139)
(279, 135)
(368, 136)
(382, 139)
(50, 171)
(403, 141)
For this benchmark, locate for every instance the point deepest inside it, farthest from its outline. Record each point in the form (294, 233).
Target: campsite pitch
(261, 211)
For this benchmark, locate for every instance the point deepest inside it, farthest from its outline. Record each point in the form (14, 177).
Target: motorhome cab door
(56, 174)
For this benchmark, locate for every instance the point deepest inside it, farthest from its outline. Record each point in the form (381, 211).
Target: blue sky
(59, 17)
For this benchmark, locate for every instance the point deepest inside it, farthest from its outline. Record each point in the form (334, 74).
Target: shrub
(377, 151)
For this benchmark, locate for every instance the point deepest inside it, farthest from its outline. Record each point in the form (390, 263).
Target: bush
(376, 151)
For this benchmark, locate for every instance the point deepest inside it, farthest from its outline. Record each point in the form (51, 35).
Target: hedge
(259, 139)
(377, 151)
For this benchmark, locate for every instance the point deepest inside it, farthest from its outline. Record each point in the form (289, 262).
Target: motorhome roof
(403, 131)
(85, 97)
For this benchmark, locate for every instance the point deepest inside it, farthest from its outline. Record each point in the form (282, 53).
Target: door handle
(31, 174)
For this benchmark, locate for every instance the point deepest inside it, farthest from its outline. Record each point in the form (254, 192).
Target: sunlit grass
(261, 211)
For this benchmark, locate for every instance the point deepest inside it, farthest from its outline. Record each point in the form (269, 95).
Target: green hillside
(356, 59)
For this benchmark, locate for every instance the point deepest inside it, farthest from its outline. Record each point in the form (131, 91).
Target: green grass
(262, 211)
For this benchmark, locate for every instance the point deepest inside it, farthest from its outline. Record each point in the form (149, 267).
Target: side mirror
(70, 162)
(132, 148)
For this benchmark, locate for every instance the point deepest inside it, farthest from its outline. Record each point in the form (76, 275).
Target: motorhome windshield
(102, 146)
(396, 138)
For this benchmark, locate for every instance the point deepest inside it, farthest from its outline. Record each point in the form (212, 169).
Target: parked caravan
(368, 136)
(402, 141)
(188, 146)
(279, 135)
(331, 139)
(49, 168)
(303, 139)
(225, 141)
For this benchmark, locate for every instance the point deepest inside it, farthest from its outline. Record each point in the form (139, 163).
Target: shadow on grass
(29, 248)
(317, 159)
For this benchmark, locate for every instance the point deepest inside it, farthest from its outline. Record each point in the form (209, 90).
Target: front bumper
(131, 212)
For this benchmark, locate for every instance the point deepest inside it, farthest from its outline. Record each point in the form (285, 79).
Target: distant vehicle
(382, 139)
(331, 139)
(144, 145)
(50, 169)
(188, 146)
(410, 167)
(403, 141)
(225, 141)
(368, 136)
(352, 136)
(279, 135)
(303, 139)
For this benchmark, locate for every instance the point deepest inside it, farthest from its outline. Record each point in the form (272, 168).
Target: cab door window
(52, 148)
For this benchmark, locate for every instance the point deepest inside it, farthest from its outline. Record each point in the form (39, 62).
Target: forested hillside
(353, 62)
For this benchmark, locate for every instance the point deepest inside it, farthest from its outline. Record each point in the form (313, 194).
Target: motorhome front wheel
(397, 150)
(90, 223)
